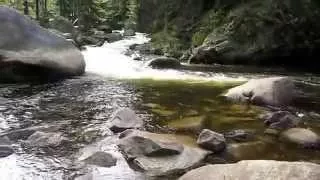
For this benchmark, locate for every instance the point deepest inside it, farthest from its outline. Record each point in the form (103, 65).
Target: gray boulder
(30, 53)
(256, 170)
(164, 164)
(164, 63)
(211, 140)
(101, 159)
(274, 91)
(301, 136)
(125, 119)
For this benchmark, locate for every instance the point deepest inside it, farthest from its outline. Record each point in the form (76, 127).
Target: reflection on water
(165, 100)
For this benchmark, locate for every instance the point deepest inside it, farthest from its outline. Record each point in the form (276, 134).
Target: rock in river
(274, 91)
(101, 159)
(125, 119)
(5, 147)
(256, 170)
(281, 120)
(43, 139)
(211, 140)
(164, 63)
(301, 136)
(170, 156)
(29, 52)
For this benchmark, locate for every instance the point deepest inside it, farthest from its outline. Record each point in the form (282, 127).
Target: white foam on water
(110, 60)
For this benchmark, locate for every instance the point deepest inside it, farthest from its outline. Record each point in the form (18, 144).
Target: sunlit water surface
(162, 98)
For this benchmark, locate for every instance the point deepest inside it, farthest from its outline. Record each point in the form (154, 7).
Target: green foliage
(211, 20)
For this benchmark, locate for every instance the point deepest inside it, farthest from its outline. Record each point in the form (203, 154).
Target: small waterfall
(110, 60)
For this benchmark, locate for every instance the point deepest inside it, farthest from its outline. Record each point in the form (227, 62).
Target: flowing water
(169, 101)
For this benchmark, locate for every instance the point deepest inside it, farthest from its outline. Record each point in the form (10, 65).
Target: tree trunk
(37, 9)
(26, 7)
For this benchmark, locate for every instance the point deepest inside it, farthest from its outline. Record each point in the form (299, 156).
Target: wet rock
(129, 32)
(190, 156)
(104, 28)
(203, 55)
(246, 150)
(256, 170)
(275, 91)
(301, 136)
(164, 63)
(211, 140)
(29, 52)
(240, 135)
(280, 120)
(23, 134)
(146, 49)
(112, 37)
(137, 146)
(101, 159)
(5, 147)
(193, 123)
(43, 139)
(125, 119)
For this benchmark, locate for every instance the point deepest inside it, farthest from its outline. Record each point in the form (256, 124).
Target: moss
(211, 20)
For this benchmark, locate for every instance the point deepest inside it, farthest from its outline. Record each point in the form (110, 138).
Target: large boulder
(101, 159)
(164, 63)
(274, 91)
(256, 170)
(170, 156)
(30, 53)
(301, 136)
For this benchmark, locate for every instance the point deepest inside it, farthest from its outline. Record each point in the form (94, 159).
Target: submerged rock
(281, 120)
(301, 136)
(125, 119)
(246, 150)
(275, 91)
(193, 123)
(164, 63)
(212, 141)
(43, 139)
(176, 162)
(240, 135)
(256, 170)
(101, 159)
(30, 53)
(5, 147)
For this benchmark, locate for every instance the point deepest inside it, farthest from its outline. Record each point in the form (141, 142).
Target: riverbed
(166, 100)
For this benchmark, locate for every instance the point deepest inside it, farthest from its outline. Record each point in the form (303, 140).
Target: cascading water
(110, 61)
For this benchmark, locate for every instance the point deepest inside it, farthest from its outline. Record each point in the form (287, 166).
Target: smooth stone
(275, 91)
(211, 140)
(190, 157)
(301, 136)
(256, 170)
(125, 118)
(101, 159)
(29, 52)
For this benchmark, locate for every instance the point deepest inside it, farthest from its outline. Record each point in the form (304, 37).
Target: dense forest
(205, 31)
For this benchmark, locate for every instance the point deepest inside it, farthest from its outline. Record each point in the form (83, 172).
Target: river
(81, 106)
